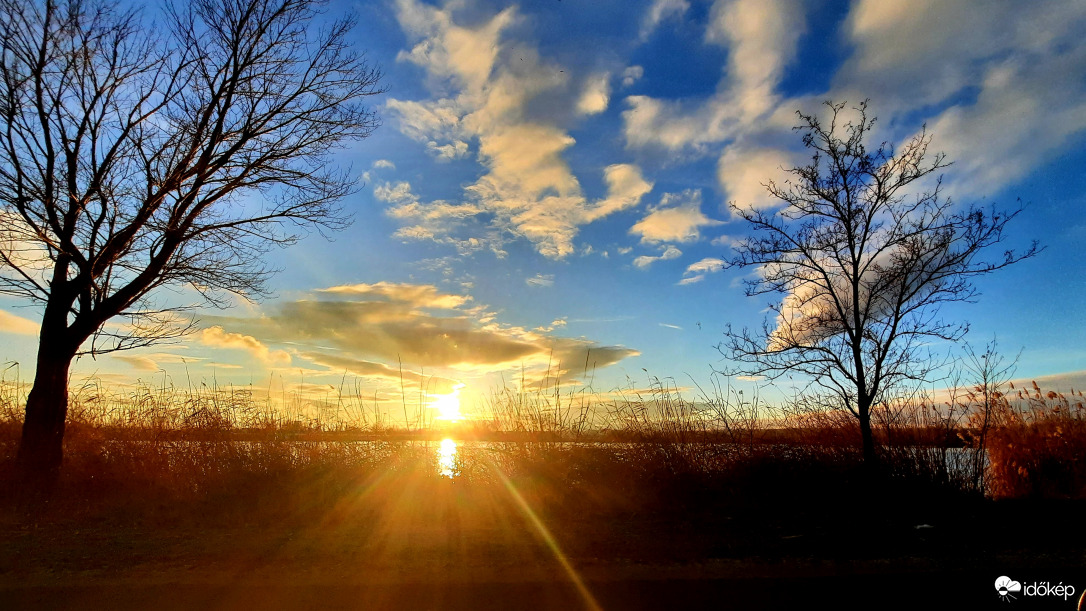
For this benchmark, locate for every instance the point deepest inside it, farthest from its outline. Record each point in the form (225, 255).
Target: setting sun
(448, 406)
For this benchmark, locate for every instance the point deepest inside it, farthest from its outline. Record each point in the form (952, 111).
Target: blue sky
(550, 188)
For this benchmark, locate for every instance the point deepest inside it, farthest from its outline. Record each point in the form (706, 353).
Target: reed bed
(160, 445)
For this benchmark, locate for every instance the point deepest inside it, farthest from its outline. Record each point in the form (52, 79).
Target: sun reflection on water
(446, 458)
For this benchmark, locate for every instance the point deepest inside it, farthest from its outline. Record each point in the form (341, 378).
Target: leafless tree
(862, 258)
(987, 403)
(136, 155)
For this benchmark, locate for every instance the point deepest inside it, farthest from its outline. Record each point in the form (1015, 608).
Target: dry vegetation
(157, 446)
(212, 489)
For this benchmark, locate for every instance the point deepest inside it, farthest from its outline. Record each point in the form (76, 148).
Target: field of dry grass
(209, 486)
(184, 443)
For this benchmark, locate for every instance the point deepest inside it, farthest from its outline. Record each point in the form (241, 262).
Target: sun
(448, 406)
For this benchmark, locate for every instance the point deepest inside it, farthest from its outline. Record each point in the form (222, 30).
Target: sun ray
(545, 534)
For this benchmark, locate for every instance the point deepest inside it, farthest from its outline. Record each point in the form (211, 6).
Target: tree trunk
(870, 457)
(41, 447)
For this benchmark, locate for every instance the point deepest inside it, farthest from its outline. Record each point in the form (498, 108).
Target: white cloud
(706, 265)
(744, 172)
(761, 37)
(997, 83)
(1026, 112)
(923, 49)
(723, 240)
(595, 95)
(398, 193)
(672, 125)
(448, 152)
(644, 261)
(696, 272)
(1005, 68)
(527, 189)
(447, 50)
(625, 188)
(660, 11)
(437, 220)
(631, 75)
(678, 218)
(437, 124)
(555, 324)
(384, 164)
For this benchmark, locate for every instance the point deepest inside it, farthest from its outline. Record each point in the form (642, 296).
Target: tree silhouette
(135, 156)
(863, 259)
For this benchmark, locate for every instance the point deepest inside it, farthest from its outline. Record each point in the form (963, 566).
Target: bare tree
(138, 155)
(987, 403)
(863, 260)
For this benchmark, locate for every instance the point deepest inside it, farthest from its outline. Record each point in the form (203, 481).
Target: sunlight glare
(448, 406)
(446, 458)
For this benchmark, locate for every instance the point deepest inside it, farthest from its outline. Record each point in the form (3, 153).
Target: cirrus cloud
(10, 323)
(696, 272)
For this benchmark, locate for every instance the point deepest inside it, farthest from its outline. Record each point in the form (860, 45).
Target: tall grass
(161, 443)
(1037, 447)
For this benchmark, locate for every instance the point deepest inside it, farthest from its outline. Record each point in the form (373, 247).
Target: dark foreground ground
(443, 546)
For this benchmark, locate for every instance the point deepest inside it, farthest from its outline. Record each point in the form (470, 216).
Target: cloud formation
(527, 189)
(437, 125)
(217, 337)
(431, 384)
(10, 323)
(744, 173)
(761, 37)
(595, 95)
(418, 295)
(660, 11)
(677, 218)
(369, 328)
(696, 272)
(540, 280)
(669, 253)
(994, 83)
(1013, 103)
(154, 361)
